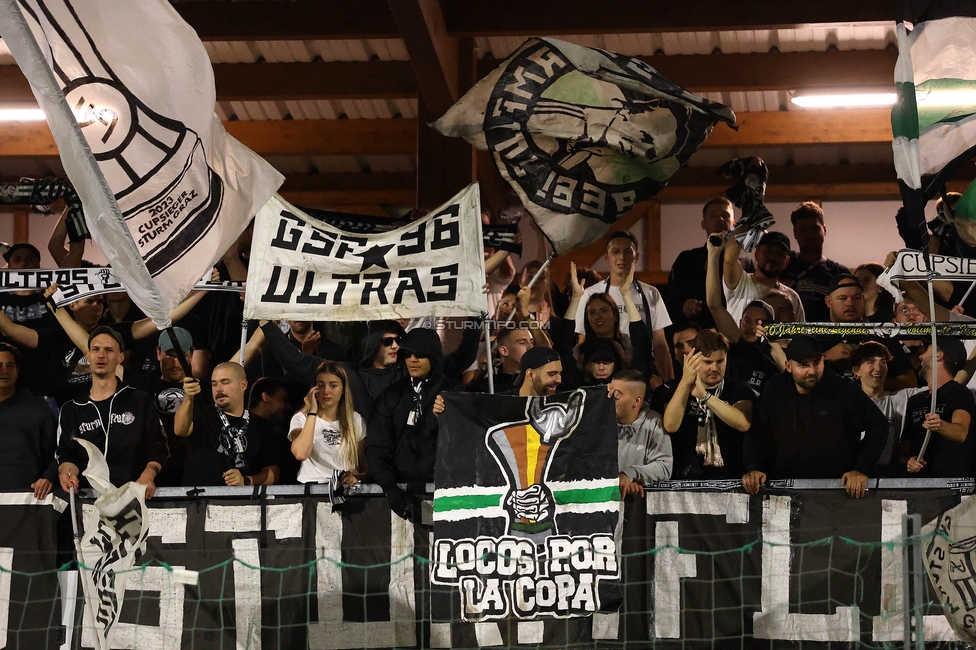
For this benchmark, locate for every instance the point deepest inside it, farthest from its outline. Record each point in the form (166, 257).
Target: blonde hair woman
(328, 434)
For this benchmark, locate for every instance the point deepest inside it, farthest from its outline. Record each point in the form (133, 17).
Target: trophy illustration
(155, 165)
(524, 450)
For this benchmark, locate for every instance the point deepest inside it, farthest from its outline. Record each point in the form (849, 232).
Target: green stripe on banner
(904, 113)
(562, 497)
(592, 495)
(468, 502)
(943, 100)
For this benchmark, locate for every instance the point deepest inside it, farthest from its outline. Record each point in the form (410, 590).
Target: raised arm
(21, 335)
(183, 418)
(732, 267)
(724, 322)
(65, 258)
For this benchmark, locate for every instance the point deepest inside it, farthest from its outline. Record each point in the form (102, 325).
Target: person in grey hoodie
(643, 448)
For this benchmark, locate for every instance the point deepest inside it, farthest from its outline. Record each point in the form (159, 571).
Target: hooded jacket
(133, 438)
(397, 451)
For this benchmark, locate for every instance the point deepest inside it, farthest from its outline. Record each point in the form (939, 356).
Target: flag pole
(78, 555)
(933, 380)
(243, 340)
(491, 370)
(538, 274)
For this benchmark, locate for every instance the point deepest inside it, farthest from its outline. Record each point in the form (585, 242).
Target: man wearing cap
(401, 433)
(772, 255)
(120, 420)
(752, 358)
(950, 452)
(845, 304)
(809, 272)
(541, 374)
(708, 415)
(621, 255)
(167, 391)
(809, 424)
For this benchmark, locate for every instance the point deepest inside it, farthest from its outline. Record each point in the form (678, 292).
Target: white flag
(128, 91)
(305, 269)
(950, 561)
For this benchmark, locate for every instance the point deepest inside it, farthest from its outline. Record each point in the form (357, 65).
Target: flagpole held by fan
(934, 370)
(79, 564)
(489, 368)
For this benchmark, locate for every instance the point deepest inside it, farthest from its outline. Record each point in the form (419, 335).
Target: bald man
(226, 446)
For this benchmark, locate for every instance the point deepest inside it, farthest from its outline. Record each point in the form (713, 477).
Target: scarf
(707, 444)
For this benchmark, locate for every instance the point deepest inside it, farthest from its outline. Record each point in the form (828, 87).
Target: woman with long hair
(328, 434)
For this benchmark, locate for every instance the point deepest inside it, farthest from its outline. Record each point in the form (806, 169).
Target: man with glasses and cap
(808, 424)
(401, 433)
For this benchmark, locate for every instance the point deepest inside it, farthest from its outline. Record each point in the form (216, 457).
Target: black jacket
(27, 441)
(817, 435)
(396, 451)
(134, 436)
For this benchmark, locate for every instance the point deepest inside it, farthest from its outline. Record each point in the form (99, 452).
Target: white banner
(916, 265)
(128, 91)
(115, 531)
(304, 269)
(950, 561)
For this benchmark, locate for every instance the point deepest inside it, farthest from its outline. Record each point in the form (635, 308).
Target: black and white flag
(128, 91)
(582, 135)
(308, 270)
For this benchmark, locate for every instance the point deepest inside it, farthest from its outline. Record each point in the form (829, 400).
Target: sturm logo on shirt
(123, 418)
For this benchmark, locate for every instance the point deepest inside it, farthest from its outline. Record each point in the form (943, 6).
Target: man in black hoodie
(808, 424)
(401, 436)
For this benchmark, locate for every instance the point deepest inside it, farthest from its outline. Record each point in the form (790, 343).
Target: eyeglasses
(390, 340)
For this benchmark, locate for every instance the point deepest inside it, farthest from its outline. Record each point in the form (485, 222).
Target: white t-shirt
(326, 446)
(659, 318)
(748, 290)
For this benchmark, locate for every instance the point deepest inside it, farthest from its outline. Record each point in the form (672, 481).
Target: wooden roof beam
(433, 54)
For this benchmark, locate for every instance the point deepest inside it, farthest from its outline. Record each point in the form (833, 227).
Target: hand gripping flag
(581, 134)
(128, 92)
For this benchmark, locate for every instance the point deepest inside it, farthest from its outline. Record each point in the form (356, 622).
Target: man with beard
(809, 424)
(951, 449)
(708, 414)
(809, 272)
(401, 435)
(541, 374)
(869, 363)
(226, 445)
(772, 255)
(845, 302)
(643, 449)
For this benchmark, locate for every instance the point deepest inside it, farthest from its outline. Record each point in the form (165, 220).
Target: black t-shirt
(751, 363)
(167, 396)
(944, 459)
(688, 464)
(900, 362)
(214, 448)
(30, 311)
(810, 281)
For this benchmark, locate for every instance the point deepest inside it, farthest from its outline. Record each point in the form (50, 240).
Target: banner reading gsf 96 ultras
(305, 269)
(525, 507)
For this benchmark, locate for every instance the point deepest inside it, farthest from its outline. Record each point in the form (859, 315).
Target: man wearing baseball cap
(741, 288)
(541, 373)
(951, 449)
(808, 424)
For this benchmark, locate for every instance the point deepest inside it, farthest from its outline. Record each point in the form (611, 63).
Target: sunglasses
(390, 340)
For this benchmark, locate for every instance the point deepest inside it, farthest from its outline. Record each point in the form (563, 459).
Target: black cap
(842, 280)
(775, 238)
(804, 348)
(422, 342)
(765, 306)
(20, 246)
(601, 349)
(953, 350)
(622, 234)
(535, 358)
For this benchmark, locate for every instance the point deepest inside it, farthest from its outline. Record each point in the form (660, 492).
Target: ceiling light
(21, 114)
(849, 100)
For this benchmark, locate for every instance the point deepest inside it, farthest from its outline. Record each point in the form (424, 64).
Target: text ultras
(364, 271)
(499, 577)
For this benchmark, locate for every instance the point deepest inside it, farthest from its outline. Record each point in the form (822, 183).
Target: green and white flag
(933, 120)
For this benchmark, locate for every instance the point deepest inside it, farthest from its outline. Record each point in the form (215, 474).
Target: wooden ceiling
(439, 38)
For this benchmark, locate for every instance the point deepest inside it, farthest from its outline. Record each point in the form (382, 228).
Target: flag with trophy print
(526, 502)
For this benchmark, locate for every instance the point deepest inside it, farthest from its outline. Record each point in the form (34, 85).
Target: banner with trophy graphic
(525, 508)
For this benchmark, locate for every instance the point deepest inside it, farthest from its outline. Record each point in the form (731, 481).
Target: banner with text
(305, 269)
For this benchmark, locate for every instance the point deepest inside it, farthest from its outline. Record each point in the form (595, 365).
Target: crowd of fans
(701, 392)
